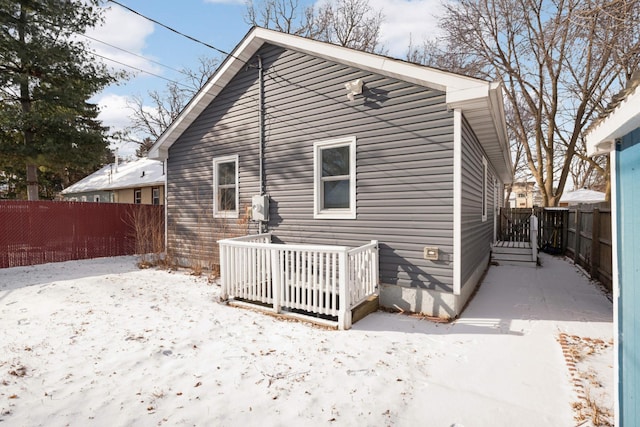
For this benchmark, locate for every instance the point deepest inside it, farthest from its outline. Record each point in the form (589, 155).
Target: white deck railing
(327, 280)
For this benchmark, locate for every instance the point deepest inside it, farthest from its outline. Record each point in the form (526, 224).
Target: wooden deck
(514, 245)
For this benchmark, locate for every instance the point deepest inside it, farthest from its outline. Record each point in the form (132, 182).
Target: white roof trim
(621, 121)
(461, 91)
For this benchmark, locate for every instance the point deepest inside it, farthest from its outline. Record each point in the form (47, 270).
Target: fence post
(344, 314)
(595, 243)
(533, 233)
(565, 231)
(276, 279)
(576, 255)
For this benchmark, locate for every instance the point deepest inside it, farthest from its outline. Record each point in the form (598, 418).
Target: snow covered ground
(100, 342)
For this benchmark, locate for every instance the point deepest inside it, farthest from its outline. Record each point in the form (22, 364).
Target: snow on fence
(324, 280)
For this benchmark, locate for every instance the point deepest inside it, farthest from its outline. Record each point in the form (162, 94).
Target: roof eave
(460, 89)
(483, 107)
(621, 121)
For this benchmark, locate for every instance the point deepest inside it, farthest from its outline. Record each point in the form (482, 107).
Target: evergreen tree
(47, 77)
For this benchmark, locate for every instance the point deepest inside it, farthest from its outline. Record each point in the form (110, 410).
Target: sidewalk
(504, 365)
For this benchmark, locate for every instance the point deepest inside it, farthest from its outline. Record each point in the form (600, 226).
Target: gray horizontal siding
(228, 126)
(404, 163)
(476, 234)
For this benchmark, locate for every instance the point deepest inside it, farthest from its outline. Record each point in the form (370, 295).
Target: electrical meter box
(260, 208)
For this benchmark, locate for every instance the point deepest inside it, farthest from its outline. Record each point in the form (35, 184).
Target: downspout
(262, 227)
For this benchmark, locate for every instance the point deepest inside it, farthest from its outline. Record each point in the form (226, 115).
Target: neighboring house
(349, 147)
(523, 194)
(583, 195)
(618, 133)
(137, 181)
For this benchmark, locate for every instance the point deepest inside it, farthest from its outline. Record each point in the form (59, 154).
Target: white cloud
(405, 18)
(115, 113)
(418, 18)
(128, 32)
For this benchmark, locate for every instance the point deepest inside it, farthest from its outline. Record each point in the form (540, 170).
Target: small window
(484, 189)
(225, 187)
(334, 191)
(137, 196)
(155, 195)
(96, 198)
(83, 198)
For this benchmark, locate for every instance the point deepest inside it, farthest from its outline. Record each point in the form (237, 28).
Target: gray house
(348, 147)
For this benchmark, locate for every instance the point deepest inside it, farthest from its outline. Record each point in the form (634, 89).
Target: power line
(134, 54)
(175, 31)
(141, 70)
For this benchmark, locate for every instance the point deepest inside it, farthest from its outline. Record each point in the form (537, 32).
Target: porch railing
(325, 280)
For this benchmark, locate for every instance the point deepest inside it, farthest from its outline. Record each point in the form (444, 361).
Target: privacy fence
(44, 231)
(581, 232)
(589, 240)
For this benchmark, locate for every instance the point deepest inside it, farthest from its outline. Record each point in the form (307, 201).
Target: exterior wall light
(354, 88)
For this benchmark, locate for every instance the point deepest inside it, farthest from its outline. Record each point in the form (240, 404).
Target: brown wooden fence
(43, 231)
(589, 240)
(581, 232)
(513, 224)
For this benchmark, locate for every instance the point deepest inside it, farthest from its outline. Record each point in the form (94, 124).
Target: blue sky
(219, 23)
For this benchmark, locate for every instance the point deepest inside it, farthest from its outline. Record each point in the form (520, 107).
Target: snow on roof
(583, 196)
(620, 118)
(137, 173)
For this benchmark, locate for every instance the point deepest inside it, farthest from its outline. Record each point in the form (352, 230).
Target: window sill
(334, 215)
(233, 215)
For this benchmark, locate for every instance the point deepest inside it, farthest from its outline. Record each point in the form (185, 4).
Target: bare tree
(560, 62)
(349, 23)
(151, 121)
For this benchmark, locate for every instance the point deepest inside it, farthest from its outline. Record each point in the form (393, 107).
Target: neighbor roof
(583, 195)
(621, 117)
(137, 173)
(480, 101)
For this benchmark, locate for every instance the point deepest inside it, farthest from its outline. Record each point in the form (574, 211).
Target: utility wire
(134, 54)
(175, 31)
(141, 70)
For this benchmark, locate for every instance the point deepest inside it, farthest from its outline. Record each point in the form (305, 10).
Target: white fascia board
(621, 121)
(461, 89)
(233, 63)
(402, 70)
(496, 100)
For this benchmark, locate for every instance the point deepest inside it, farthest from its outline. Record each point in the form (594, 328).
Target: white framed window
(96, 198)
(155, 195)
(334, 179)
(225, 187)
(137, 196)
(485, 193)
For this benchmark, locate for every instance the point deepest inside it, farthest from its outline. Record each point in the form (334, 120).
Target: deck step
(519, 251)
(365, 308)
(530, 264)
(512, 256)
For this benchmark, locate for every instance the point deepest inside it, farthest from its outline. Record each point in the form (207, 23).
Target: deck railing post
(344, 314)
(276, 279)
(375, 267)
